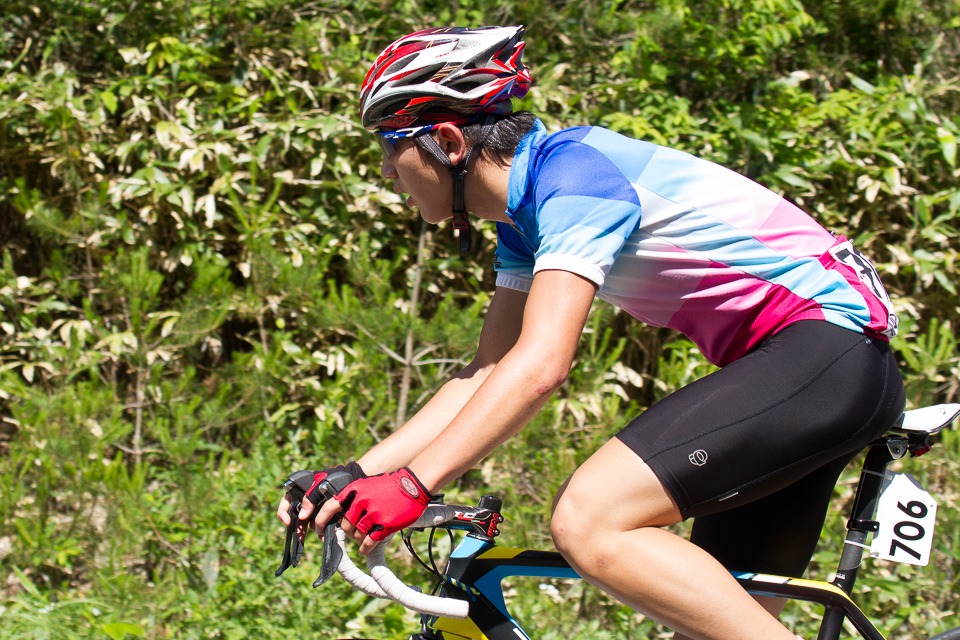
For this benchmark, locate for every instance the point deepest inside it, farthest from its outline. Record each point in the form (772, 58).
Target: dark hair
(502, 142)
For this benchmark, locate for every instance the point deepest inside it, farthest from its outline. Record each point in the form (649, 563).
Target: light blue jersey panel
(574, 208)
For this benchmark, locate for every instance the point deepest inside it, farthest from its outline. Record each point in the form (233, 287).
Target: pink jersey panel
(883, 322)
(792, 232)
(761, 309)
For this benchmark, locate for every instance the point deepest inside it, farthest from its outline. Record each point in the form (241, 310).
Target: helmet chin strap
(459, 174)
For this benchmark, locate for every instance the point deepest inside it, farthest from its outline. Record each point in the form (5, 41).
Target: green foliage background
(206, 285)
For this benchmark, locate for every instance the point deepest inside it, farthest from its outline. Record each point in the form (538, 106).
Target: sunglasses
(390, 139)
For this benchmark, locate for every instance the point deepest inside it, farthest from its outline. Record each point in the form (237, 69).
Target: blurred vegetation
(206, 285)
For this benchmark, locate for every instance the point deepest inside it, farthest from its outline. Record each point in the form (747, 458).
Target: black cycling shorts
(753, 451)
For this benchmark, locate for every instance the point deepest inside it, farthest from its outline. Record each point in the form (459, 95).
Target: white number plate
(848, 255)
(907, 515)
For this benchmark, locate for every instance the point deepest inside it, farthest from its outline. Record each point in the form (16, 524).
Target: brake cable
(407, 537)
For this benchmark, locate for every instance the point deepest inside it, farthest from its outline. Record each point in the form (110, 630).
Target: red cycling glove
(381, 505)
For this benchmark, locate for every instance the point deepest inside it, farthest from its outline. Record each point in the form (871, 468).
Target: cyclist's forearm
(522, 382)
(510, 396)
(402, 446)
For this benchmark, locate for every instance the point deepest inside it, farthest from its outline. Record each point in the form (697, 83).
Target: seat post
(881, 453)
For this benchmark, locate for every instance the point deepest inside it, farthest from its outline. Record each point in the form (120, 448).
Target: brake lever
(331, 486)
(332, 554)
(297, 485)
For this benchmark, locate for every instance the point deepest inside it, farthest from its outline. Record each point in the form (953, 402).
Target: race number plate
(907, 515)
(848, 255)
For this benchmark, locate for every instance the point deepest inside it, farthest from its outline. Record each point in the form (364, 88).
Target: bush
(205, 284)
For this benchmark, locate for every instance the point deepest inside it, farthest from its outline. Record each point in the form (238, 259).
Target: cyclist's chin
(432, 216)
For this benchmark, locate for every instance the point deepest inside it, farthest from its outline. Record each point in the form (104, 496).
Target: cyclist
(796, 318)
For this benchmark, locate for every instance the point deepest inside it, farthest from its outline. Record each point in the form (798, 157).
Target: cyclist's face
(427, 183)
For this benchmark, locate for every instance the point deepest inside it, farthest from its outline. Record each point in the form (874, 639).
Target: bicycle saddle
(928, 420)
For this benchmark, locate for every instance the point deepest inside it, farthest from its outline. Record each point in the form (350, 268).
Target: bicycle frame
(477, 567)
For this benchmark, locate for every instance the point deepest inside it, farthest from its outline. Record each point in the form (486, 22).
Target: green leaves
(205, 284)
(120, 630)
(948, 145)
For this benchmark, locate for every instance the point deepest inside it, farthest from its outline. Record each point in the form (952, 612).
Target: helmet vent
(467, 87)
(399, 64)
(417, 76)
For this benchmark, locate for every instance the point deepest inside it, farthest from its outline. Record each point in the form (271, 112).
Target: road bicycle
(468, 602)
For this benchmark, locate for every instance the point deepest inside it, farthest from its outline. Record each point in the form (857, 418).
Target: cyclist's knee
(562, 526)
(579, 533)
(580, 543)
(590, 544)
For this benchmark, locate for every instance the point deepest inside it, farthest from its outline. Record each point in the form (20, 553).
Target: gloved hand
(381, 505)
(315, 496)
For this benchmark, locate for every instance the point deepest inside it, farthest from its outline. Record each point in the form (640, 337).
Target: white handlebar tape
(382, 583)
(353, 575)
(410, 598)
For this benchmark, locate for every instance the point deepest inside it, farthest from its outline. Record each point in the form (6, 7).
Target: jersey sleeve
(585, 211)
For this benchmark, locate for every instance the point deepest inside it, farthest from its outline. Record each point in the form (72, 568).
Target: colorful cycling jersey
(680, 242)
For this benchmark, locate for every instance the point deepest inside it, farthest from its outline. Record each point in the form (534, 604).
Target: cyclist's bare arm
(520, 384)
(512, 393)
(501, 329)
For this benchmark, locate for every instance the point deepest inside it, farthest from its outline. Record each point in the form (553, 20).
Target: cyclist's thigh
(809, 395)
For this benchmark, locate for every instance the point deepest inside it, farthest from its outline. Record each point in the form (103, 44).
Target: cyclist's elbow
(547, 369)
(551, 377)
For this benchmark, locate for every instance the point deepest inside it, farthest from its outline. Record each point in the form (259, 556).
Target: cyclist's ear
(452, 141)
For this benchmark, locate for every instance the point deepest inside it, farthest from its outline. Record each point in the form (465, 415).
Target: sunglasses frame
(388, 139)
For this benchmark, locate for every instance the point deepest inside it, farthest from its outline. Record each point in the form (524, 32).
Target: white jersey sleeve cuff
(588, 270)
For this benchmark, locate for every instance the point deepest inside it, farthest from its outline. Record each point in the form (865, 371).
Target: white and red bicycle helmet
(444, 74)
